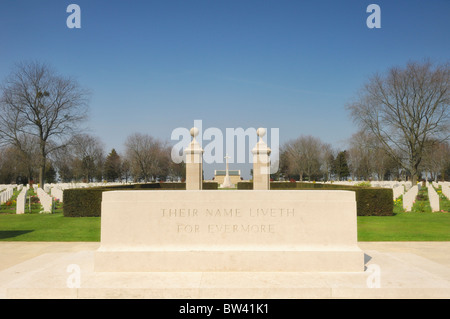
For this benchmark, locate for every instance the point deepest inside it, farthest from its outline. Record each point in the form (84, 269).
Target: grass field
(405, 227)
(56, 227)
(419, 225)
(32, 203)
(48, 227)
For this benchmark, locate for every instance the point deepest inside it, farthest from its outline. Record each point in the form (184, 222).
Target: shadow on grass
(13, 233)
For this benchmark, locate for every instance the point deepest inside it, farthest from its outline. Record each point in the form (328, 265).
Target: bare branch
(406, 108)
(36, 101)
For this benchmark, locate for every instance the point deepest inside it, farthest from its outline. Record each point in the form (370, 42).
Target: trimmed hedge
(370, 201)
(83, 202)
(87, 202)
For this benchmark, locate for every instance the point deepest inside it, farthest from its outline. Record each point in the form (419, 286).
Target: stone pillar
(194, 163)
(261, 163)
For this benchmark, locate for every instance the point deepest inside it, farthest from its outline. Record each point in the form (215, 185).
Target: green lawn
(405, 227)
(419, 225)
(48, 227)
(56, 227)
(32, 203)
(33, 226)
(444, 202)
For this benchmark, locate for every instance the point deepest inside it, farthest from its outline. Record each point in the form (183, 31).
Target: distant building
(235, 176)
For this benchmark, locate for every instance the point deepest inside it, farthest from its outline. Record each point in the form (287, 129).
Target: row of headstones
(410, 196)
(45, 199)
(52, 192)
(6, 192)
(56, 190)
(445, 187)
(398, 188)
(81, 185)
(385, 184)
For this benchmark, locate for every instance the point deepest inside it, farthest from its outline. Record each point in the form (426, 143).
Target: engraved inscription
(241, 228)
(219, 219)
(217, 212)
(180, 212)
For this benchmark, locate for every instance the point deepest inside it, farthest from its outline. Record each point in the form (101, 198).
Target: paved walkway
(65, 270)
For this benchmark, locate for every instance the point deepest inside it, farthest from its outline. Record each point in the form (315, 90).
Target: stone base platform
(208, 231)
(322, 259)
(393, 270)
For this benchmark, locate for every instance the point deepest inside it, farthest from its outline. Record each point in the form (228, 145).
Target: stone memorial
(198, 230)
(233, 174)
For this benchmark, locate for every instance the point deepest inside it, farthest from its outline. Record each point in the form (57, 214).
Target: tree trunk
(42, 175)
(42, 166)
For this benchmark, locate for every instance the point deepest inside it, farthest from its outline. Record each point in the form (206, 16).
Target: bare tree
(175, 170)
(88, 152)
(303, 156)
(64, 160)
(148, 157)
(16, 166)
(404, 108)
(80, 159)
(436, 157)
(126, 170)
(327, 159)
(38, 102)
(361, 154)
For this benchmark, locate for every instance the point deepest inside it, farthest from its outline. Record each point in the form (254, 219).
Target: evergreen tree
(340, 165)
(50, 173)
(112, 166)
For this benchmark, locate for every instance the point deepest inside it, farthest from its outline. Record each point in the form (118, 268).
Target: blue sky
(153, 66)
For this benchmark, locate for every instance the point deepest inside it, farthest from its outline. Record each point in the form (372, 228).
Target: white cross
(226, 160)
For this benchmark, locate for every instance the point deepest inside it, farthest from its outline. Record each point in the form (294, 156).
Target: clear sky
(153, 66)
